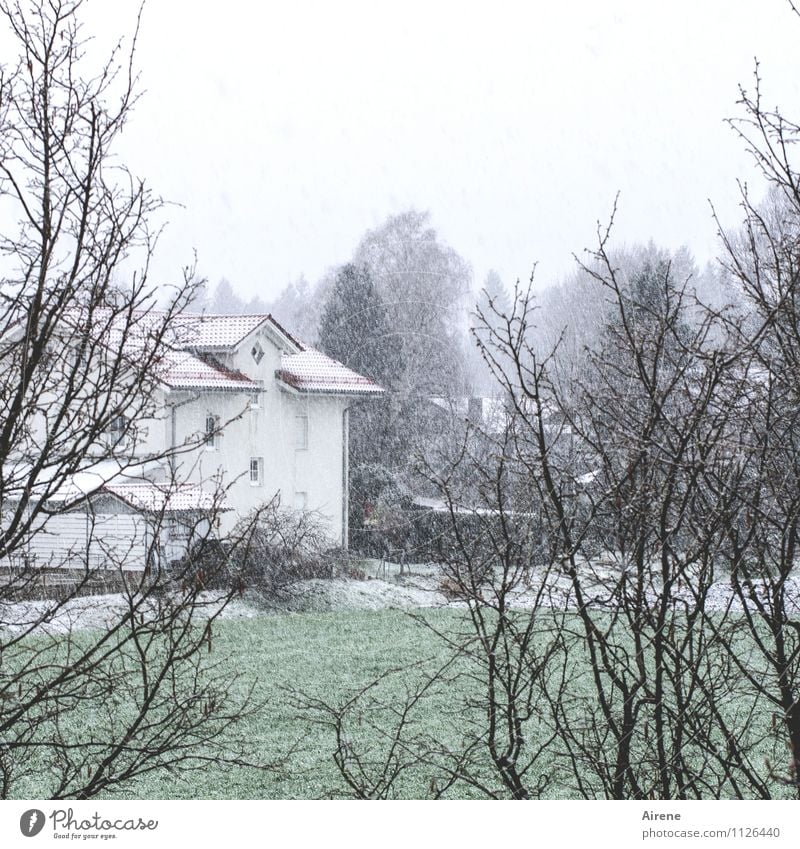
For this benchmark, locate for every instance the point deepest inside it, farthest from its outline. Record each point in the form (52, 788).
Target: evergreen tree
(225, 301)
(491, 304)
(494, 297)
(355, 329)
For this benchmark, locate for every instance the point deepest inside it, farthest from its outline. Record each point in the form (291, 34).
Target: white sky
(288, 129)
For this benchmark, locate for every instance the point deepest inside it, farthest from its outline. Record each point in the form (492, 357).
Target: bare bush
(283, 546)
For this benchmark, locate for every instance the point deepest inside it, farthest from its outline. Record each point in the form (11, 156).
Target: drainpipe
(174, 440)
(174, 428)
(345, 476)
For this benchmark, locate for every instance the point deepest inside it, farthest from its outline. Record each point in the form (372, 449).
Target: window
(257, 353)
(119, 425)
(212, 432)
(255, 401)
(46, 359)
(78, 363)
(300, 500)
(256, 471)
(301, 433)
(116, 430)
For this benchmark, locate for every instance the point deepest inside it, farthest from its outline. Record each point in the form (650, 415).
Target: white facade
(295, 441)
(282, 429)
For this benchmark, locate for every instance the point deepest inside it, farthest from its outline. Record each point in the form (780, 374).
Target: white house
(240, 407)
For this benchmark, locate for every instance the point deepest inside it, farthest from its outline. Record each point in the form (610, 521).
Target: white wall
(111, 540)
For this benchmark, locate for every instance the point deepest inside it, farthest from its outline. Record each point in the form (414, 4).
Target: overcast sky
(287, 129)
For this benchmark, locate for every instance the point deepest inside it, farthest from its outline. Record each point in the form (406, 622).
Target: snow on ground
(96, 611)
(321, 595)
(93, 611)
(420, 585)
(382, 586)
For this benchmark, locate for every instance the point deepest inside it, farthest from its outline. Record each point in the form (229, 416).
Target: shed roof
(163, 498)
(130, 484)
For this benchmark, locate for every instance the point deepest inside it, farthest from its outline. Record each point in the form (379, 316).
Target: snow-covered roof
(312, 371)
(163, 498)
(491, 413)
(78, 485)
(302, 368)
(439, 505)
(186, 348)
(185, 370)
(224, 332)
(130, 483)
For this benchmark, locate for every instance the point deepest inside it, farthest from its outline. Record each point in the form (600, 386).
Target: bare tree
(762, 258)
(625, 550)
(82, 346)
(502, 662)
(592, 544)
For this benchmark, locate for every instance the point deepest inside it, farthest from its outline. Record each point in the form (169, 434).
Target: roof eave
(210, 349)
(190, 387)
(347, 393)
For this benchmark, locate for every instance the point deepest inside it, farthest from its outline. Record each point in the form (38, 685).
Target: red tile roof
(187, 361)
(221, 331)
(184, 370)
(313, 371)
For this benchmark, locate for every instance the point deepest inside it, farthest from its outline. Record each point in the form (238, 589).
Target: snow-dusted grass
(328, 654)
(346, 636)
(331, 655)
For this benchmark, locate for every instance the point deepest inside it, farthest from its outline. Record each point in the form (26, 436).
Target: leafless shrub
(283, 546)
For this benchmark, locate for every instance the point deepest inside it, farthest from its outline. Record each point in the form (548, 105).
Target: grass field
(331, 655)
(327, 654)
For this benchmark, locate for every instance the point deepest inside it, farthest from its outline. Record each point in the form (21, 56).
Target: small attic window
(116, 430)
(257, 352)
